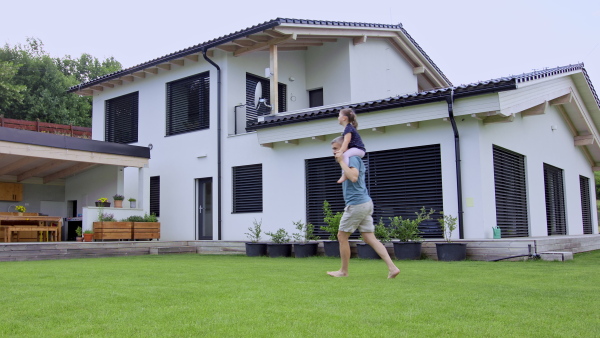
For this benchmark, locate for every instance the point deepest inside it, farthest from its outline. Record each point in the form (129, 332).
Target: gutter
(450, 101)
(219, 197)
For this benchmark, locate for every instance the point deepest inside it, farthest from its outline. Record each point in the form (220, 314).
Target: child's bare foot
(338, 273)
(342, 179)
(394, 273)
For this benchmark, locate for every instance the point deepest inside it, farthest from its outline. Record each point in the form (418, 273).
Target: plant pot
(132, 204)
(407, 250)
(118, 203)
(88, 237)
(279, 249)
(103, 204)
(302, 250)
(78, 239)
(449, 252)
(19, 214)
(365, 251)
(332, 248)
(256, 249)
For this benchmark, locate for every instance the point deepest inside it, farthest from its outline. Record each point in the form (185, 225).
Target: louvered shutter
(121, 119)
(586, 209)
(188, 104)
(247, 188)
(555, 200)
(510, 192)
(155, 195)
(251, 112)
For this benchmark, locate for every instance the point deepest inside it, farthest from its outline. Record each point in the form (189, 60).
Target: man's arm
(351, 173)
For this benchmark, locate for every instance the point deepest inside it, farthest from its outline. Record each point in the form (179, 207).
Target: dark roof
(241, 33)
(477, 88)
(73, 143)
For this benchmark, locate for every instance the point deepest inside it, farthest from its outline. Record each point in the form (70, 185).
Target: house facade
(240, 127)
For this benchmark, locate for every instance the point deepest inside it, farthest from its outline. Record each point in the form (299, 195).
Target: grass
(233, 296)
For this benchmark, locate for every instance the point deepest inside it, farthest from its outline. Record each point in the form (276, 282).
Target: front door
(204, 209)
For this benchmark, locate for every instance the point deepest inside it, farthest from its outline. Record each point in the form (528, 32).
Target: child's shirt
(356, 141)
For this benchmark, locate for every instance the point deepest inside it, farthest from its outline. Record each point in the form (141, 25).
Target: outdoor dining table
(8, 227)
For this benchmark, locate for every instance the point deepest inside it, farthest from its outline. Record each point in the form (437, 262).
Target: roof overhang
(288, 35)
(32, 157)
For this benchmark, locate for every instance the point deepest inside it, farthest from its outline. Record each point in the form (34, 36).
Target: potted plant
(332, 246)
(103, 202)
(118, 200)
(365, 251)
(280, 246)
(407, 232)
(132, 203)
(88, 235)
(20, 209)
(254, 248)
(449, 251)
(78, 232)
(303, 247)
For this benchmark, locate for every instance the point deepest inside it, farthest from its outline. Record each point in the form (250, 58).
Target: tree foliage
(33, 85)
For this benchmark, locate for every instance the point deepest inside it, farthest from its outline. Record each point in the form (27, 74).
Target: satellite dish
(257, 94)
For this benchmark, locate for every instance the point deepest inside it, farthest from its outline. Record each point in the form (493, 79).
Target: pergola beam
(272, 42)
(72, 170)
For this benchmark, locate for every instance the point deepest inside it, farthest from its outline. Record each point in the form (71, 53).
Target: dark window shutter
(247, 188)
(400, 182)
(188, 104)
(555, 200)
(315, 98)
(586, 208)
(155, 195)
(251, 112)
(121, 119)
(510, 192)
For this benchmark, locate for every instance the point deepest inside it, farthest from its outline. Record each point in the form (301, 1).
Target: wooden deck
(482, 250)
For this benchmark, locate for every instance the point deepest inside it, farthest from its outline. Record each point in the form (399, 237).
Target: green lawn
(237, 296)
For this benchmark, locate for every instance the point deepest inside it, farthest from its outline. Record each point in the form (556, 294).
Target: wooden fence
(45, 127)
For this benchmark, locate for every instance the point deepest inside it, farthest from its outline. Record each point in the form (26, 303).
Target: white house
(229, 146)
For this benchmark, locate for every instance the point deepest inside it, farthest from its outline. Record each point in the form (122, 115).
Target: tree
(43, 81)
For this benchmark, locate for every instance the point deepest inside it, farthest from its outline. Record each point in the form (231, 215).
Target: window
(188, 104)
(121, 124)
(315, 98)
(586, 209)
(510, 192)
(247, 188)
(155, 195)
(251, 110)
(555, 200)
(400, 182)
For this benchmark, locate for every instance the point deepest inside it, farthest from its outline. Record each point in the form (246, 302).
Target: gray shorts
(359, 217)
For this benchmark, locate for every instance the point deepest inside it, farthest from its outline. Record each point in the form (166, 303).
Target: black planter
(449, 252)
(256, 249)
(103, 204)
(302, 250)
(365, 251)
(332, 248)
(279, 250)
(407, 250)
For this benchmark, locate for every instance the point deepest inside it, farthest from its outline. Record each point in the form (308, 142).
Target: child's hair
(351, 115)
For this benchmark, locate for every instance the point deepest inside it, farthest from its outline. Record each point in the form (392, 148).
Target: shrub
(280, 236)
(332, 220)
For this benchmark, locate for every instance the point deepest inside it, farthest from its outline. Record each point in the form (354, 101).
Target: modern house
(239, 129)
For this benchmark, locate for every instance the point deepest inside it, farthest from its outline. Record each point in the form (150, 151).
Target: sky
(469, 40)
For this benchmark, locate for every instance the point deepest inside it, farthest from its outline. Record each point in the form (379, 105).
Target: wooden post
(274, 80)
(71, 128)
(2, 120)
(37, 125)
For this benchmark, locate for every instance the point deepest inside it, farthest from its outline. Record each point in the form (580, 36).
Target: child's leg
(347, 154)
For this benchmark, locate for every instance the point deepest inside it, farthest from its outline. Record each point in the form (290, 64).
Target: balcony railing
(45, 127)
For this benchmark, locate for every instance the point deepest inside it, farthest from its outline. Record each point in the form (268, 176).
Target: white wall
(92, 184)
(328, 67)
(33, 195)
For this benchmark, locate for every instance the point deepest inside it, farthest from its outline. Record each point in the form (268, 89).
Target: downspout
(218, 141)
(450, 101)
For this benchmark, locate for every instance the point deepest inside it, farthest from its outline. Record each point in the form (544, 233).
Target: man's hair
(338, 140)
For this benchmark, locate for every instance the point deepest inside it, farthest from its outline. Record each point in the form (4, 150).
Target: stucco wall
(97, 182)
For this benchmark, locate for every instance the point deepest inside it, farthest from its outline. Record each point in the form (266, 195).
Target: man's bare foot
(342, 179)
(393, 274)
(338, 273)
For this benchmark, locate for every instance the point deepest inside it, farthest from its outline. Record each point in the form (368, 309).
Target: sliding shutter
(252, 113)
(155, 195)
(321, 184)
(188, 104)
(586, 209)
(121, 119)
(555, 200)
(510, 192)
(247, 188)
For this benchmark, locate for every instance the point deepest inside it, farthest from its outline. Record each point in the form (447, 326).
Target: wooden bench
(44, 230)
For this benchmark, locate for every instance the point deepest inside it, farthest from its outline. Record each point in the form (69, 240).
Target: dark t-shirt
(356, 141)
